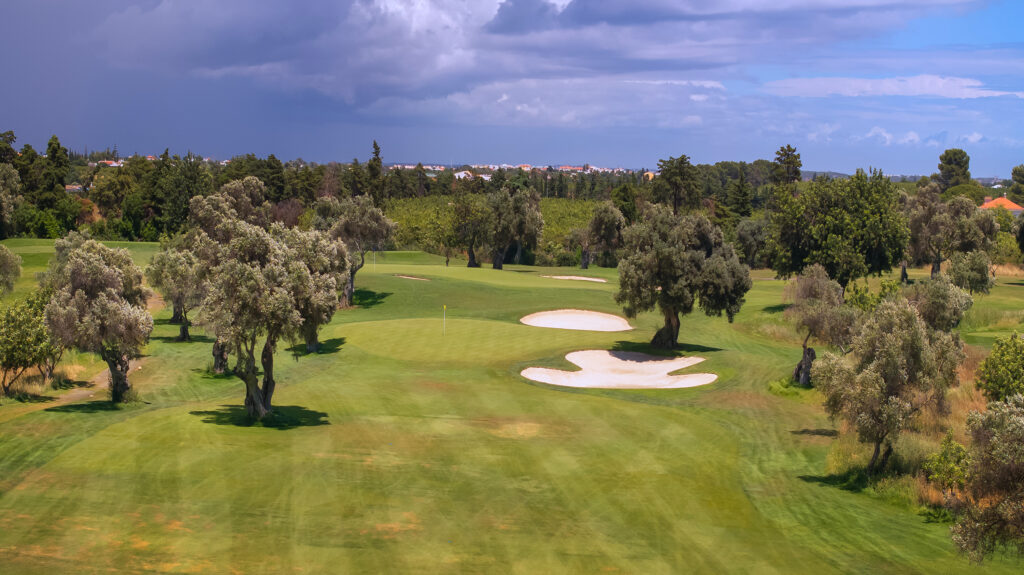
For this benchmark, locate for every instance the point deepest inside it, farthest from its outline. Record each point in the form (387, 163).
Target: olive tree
(819, 311)
(990, 517)
(605, 231)
(939, 303)
(10, 186)
(515, 218)
(896, 369)
(363, 227)
(675, 262)
(326, 260)
(970, 271)
(939, 229)
(751, 239)
(178, 273)
(252, 295)
(10, 270)
(471, 224)
(99, 305)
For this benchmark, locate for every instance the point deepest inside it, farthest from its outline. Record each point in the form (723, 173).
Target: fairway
(412, 444)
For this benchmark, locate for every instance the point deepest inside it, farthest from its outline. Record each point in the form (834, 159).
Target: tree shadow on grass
(778, 308)
(26, 397)
(643, 347)
(854, 480)
(174, 339)
(818, 432)
(332, 345)
(365, 298)
(96, 406)
(283, 417)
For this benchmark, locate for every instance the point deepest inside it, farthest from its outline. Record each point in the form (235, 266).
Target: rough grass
(410, 446)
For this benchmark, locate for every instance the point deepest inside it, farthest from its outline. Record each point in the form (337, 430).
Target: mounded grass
(405, 449)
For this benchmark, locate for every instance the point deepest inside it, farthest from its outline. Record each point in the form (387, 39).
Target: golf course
(411, 443)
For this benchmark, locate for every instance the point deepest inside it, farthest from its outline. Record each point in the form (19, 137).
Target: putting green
(413, 446)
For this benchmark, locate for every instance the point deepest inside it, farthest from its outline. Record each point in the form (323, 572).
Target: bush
(1001, 374)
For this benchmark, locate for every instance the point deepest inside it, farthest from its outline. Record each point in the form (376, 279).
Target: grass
(409, 446)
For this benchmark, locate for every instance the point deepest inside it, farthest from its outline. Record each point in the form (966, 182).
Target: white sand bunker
(622, 370)
(577, 319)
(577, 278)
(411, 278)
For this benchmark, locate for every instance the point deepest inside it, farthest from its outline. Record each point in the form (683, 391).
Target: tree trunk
(498, 261)
(267, 359)
(245, 369)
(584, 258)
(220, 357)
(311, 333)
(472, 258)
(936, 266)
(519, 253)
(118, 363)
(349, 292)
(802, 373)
(183, 334)
(179, 314)
(668, 336)
(903, 272)
(874, 458)
(885, 456)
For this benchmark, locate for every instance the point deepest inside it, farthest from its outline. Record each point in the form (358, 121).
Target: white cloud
(881, 134)
(921, 85)
(823, 133)
(910, 138)
(698, 97)
(972, 138)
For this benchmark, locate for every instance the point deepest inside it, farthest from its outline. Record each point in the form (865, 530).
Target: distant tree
(50, 349)
(940, 303)
(10, 270)
(1001, 374)
(515, 219)
(677, 185)
(10, 189)
(7, 151)
(851, 227)
(787, 166)
(818, 310)
(1018, 174)
(99, 305)
(971, 271)
(441, 233)
(751, 240)
(605, 231)
(363, 227)
(897, 368)
(472, 224)
(529, 222)
(109, 189)
(740, 196)
(375, 174)
(954, 169)
(179, 275)
(624, 197)
(672, 263)
(326, 261)
(993, 495)
(939, 229)
(580, 238)
(272, 176)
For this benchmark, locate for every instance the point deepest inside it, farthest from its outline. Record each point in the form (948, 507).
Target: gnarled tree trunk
(267, 359)
(904, 278)
(311, 333)
(518, 259)
(668, 336)
(872, 467)
(118, 364)
(802, 373)
(936, 266)
(178, 316)
(472, 257)
(584, 258)
(183, 334)
(220, 357)
(498, 261)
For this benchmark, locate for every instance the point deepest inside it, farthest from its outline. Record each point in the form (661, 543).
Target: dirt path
(95, 389)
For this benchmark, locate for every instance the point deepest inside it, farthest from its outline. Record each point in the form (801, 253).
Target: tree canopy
(674, 263)
(852, 228)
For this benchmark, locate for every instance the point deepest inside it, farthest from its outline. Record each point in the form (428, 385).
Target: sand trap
(577, 319)
(621, 370)
(577, 278)
(411, 278)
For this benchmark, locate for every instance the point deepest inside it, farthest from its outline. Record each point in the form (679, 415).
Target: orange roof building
(1002, 202)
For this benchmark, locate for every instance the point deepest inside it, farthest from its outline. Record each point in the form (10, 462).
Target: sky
(851, 84)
